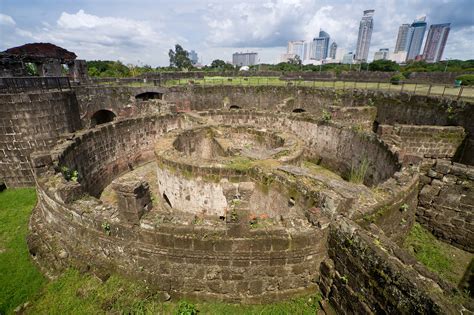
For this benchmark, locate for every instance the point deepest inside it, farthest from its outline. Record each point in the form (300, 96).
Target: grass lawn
(75, 293)
(446, 260)
(420, 89)
(19, 279)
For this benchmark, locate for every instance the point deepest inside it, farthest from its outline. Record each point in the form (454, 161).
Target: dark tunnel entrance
(101, 117)
(149, 96)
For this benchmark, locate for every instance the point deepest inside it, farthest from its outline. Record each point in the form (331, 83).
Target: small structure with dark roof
(47, 58)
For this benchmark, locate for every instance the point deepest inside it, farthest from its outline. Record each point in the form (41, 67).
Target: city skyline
(100, 30)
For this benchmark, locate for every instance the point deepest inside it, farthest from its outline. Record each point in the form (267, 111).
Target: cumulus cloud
(103, 37)
(6, 20)
(87, 32)
(145, 30)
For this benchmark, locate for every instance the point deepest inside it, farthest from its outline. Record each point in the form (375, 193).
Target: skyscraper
(333, 50)
(321, 46)
(296, 47)
(402, 38)
(415, 38)
(436, 41)
(365, 35)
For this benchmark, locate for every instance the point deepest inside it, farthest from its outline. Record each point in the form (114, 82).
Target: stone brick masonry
(446, 203)
(32, 122)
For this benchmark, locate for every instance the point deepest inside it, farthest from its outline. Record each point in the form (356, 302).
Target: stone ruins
(245, 194)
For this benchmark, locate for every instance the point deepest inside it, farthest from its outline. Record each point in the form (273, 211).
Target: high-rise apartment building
(333, 50)
(436, 41)
(382, 54)
(244, 59)
(415, 38)
(365, 35)
(296, 47)
(321, 46)
(402, 38)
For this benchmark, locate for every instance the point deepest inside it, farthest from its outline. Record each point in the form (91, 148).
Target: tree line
(180, 61)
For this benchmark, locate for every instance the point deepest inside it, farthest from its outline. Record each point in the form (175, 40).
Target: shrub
(69, 175)
(467, 79)
(397, 78)
(186, 308)
(326, 116)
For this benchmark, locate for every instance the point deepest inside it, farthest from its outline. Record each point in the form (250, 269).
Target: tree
(295, 61)
(221, 65)
(384, 65)
(179, 58)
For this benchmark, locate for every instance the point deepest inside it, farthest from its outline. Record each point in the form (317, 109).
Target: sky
(142, 31)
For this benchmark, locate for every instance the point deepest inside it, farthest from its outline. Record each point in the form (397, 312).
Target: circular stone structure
(205, 171)
(231, 205)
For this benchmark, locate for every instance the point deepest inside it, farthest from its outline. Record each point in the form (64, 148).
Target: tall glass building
(296, 47)
(402, 38)
(436, 41)
(365, 35)
(321, 46)
(415, 38)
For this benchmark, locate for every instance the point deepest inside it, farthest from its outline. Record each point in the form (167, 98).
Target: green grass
(357, 174)
(444, 259)
(75, 293)
(19, 279)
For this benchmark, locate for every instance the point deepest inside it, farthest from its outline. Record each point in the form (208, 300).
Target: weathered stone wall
(395, 215)
(181, 260)
(366, 273)
(102, 153)
(117, 99)
(32, 122)
(205, 262)
(337, 148)
(425, 141)
(446, 203)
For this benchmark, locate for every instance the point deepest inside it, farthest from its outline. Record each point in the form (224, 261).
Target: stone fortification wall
(31, 122)
(181, 260)
(102, 153)
(117, 99)
(446, 203)
(337, 148)
(391, 108)
(425, 141)
(366, 273)
(206, 262)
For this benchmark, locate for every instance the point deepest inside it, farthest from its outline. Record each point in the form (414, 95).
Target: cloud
(257, 24)
(108, 34)
(145, 29)
(6, 20)
(103, 37)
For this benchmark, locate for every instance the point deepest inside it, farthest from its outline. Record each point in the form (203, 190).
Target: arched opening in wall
(375, 126)
(101, 117)
(299, 110)
(149, 96)
(234, 107)
(167, 200)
